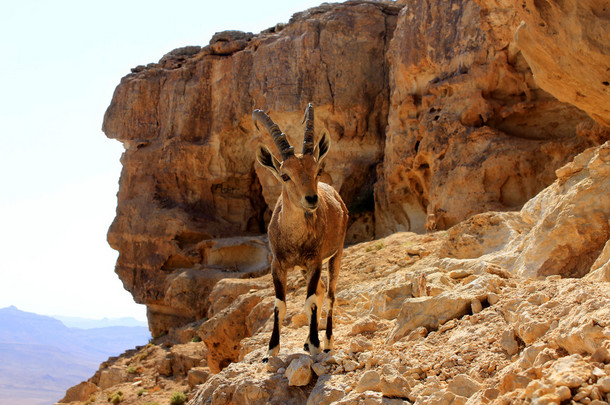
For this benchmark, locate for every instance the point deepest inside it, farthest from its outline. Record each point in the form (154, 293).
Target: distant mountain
(86, 323)
(41, 357)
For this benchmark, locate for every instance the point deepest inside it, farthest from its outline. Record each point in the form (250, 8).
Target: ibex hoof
(327, 350)
(306, 347)
(265, 360)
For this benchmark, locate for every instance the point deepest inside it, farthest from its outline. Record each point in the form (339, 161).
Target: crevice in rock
(259, 220)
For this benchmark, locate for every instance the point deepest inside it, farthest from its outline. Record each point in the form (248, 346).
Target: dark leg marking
(329, 325)
(275, 335)
(279, 282)
(313, 327)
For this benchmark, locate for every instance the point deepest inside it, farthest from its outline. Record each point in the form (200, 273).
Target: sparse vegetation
(145, 352)
(142, 392)
(196, 339)
(90, 400)
(178, 398)
(377, 246)
(132, 370)
(116, 397)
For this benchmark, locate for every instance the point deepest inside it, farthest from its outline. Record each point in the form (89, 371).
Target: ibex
(307, 228)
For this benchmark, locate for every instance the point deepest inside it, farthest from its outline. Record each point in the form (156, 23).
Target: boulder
(299, 371)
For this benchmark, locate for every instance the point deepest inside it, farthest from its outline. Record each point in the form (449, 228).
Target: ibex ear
(266, 158)
(322, 148)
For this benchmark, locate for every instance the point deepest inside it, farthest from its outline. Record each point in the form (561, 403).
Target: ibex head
(299, 173)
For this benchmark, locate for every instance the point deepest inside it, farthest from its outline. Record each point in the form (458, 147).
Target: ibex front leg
(334, 266)
(279, 312)
(313, 306)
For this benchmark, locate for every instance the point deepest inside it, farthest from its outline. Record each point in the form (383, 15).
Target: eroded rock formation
(566, 46)
(189, 175)
(469, 130)
(432, 108)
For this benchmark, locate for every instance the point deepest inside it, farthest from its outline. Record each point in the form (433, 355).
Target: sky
(60, 61)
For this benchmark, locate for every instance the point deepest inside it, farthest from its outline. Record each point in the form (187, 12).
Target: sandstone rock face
(432, 109)
(469, 130)
(189, 176)
(566, 46)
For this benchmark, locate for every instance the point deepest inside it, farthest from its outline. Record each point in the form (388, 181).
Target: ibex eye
(285, 177)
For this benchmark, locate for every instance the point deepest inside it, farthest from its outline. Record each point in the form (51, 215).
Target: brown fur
(305, 234)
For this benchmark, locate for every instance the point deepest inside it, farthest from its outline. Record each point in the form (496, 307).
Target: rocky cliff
(487, 114)
(432, 107)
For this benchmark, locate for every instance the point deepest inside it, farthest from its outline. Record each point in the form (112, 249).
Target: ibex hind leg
(279, 312)
(334, 266)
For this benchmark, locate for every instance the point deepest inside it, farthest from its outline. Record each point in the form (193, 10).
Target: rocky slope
(485, 113)
(450, 317)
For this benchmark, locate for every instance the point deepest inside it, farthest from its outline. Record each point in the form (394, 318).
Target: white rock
(369, 381)
(604, 384)
(492, 298)
(393, 384)
(366, 324)
(529, 355)
(274, 363)
(198, 375)
(360, 344)
(350, 365)
(571, 371)
(319, 369)
(299, 320)
(328, 389)
(476, 306)
(299, 371)
(564, 393)
(508, 342)
(464, 386)
(112, 376)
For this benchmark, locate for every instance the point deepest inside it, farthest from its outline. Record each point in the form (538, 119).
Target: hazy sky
(59, 64)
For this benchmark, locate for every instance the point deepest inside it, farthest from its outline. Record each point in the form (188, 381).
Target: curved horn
(308, 138)
(274, 130)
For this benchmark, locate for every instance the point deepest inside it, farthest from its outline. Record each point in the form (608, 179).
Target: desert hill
(41, 357)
